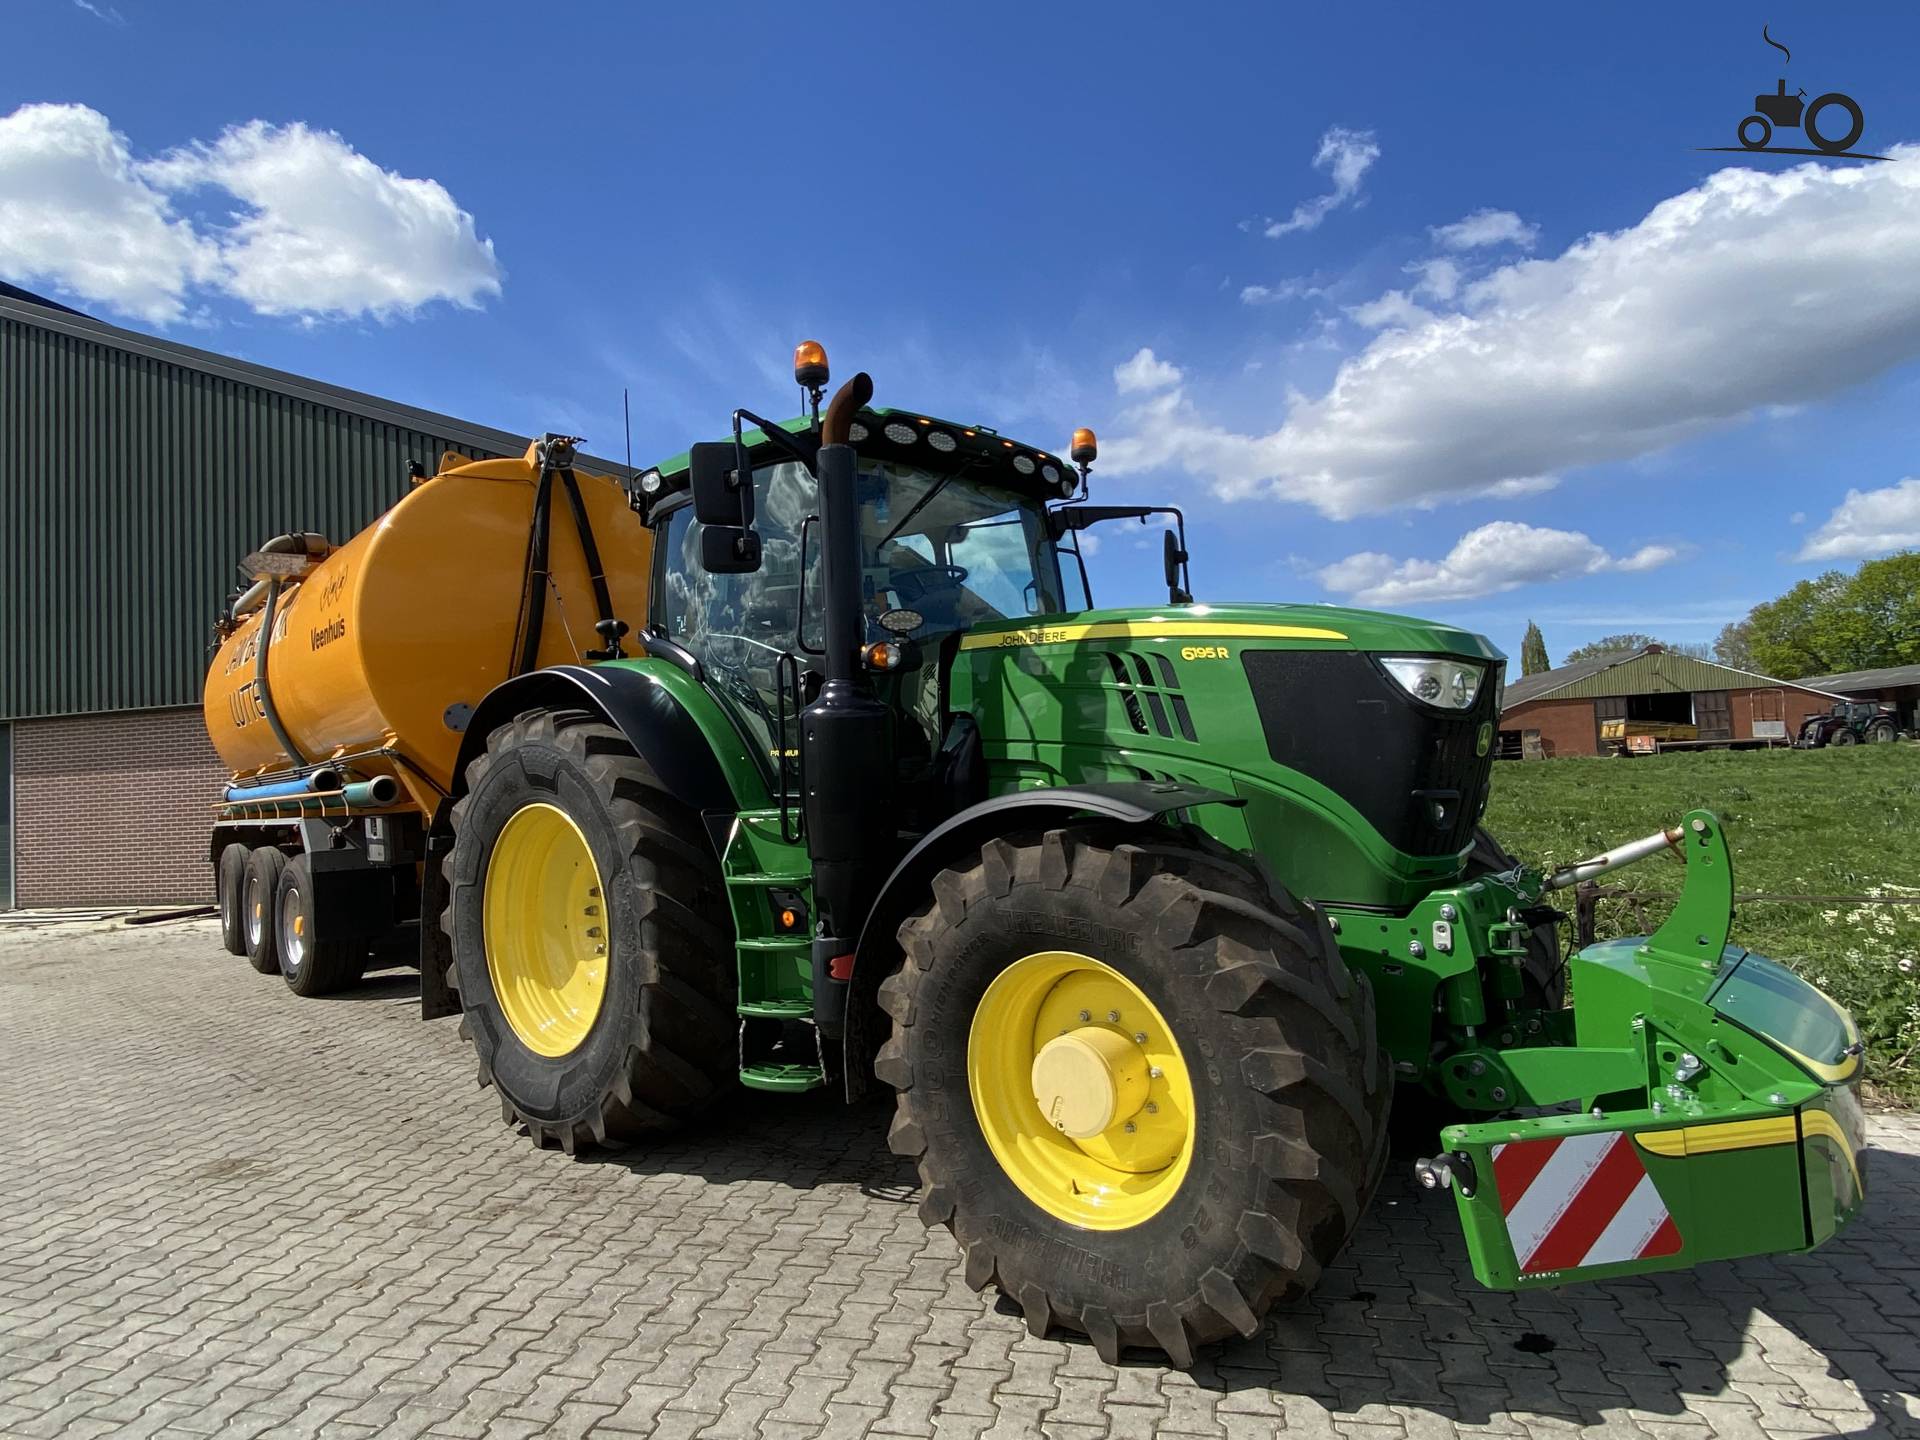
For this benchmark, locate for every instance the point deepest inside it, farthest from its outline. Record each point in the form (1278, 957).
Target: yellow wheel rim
(544, 930)
(1081, 1090)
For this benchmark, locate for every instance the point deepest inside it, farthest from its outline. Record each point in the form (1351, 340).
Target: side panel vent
(1150, 691)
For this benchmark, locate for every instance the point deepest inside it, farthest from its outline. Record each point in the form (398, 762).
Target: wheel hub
(1081, 1090)
(1089, 1080)
(545, 930)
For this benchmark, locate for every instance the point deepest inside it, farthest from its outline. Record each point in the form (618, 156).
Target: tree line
(1834, 623)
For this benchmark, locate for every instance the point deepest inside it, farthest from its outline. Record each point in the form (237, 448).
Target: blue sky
(1445, 312)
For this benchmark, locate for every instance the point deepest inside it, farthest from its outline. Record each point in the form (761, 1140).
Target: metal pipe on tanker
(380, 790)
(325, 778)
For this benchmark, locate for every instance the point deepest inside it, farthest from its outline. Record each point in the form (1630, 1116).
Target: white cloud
(1494, 558)
(1390, 310)
(328, 232)
(1486, 227)
(1749, 290)
(321, 230)
(1869, 523)
(101, 12)
(76, 212)
(1279, 291)
(1439, 278)
(1144, 373)
(1346, 156)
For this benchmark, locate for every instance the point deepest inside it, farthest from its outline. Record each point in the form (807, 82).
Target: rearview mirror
(729, 549)
(722, 487)
(1173, 557)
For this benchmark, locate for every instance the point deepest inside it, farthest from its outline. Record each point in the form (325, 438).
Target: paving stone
(384, 1258)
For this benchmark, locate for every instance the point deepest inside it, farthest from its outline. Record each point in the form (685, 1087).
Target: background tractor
(1148, 916)
(1849, 722)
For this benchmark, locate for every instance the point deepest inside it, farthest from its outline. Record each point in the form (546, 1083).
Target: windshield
(951, 550)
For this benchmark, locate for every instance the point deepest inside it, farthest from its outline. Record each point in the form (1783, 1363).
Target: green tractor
(1146, 915)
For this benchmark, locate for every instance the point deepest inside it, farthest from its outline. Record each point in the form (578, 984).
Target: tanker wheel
(262, 882)
(229, 889)
(591, 939)
(1143, 1090)
(309, 963)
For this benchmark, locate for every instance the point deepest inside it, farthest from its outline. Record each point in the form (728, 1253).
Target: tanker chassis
(1147, 916)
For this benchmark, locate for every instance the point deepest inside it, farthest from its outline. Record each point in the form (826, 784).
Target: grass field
(1821, 822)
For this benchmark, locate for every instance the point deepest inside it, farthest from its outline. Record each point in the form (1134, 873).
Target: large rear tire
(229, 890)
(591, 939)
(1166, 959)
(257, 893)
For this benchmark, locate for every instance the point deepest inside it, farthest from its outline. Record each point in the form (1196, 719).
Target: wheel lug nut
(1139, 1037)
(1129, 1127)
(1085, 1015)
(1152, 1108)
(1113, 1017)
(1154, 1072)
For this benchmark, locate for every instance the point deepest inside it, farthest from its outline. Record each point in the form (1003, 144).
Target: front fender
(1134, 802)
(668, 717)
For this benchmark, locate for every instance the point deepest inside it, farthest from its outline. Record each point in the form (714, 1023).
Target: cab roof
(880, 432)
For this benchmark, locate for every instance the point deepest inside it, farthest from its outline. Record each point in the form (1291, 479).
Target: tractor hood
(1307, 626)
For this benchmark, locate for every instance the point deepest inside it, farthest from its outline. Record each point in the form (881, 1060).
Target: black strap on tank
(610, 629)
(533, 596)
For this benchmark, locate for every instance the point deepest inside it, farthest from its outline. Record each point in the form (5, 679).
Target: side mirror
(721, 494)
(729, 549)
(723, 504)
(1173, 557)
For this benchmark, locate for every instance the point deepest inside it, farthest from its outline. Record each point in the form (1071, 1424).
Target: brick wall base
(113, 809)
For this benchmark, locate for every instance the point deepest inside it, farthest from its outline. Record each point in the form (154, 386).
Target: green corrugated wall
(130, 488)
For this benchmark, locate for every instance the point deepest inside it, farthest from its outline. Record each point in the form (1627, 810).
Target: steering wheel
(913, 586)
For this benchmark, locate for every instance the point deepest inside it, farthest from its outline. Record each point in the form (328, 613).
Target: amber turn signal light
(881, 655)
(810, 364)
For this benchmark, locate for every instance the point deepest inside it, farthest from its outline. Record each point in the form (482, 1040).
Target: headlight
(1450, 684)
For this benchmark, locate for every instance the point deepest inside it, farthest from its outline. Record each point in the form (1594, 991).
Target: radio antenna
(626, 416)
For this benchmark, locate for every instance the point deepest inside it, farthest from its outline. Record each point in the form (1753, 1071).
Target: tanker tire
(229, 889)
(1290, 1135)
(662, 1047)
(261, 884)
(311, 964)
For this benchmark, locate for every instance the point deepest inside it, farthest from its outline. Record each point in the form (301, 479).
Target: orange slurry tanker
(343, 681)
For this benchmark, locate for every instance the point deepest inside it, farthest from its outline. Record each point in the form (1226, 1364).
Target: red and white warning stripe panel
(1580, 1200)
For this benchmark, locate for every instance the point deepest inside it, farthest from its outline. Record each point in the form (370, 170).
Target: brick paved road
(227, 1211)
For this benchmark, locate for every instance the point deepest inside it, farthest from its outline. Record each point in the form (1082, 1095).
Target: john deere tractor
(1145, 914)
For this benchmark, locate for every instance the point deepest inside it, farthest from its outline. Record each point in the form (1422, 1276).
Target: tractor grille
(1415, 773)
(1150, 693)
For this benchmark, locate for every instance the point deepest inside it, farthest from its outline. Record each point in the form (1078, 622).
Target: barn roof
(1851, 681)
(1647, 671)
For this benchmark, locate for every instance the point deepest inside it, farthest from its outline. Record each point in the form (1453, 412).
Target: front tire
(1238, 1006)
(1844, 737)
(591, 939)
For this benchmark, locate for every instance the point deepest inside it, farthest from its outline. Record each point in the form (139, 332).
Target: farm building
(1634, 699)
(1898, 686)
(134, 475)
